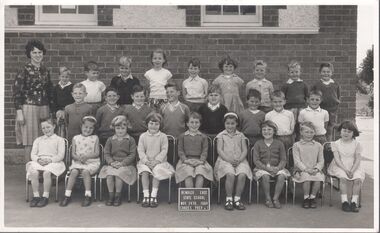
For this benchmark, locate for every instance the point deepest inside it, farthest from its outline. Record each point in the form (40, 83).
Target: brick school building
(74, 35)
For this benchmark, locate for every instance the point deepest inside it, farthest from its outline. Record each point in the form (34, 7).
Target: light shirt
(94, 91)
(63, 86)
(317, 117)
(196, 89)
(137, 106)
(52, 147)
(290, 81)
(254, 111)
(213, 107)
(327, 82)
(188, 132)
(284, 120)
(265, 87)
(157, 81)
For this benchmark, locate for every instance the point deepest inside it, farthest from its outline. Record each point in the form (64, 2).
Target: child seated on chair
(308, 164)
(152, 150)
(47, 156)
(232, 161)
(192, 151)
(85, 160)
(346, 164)
(120, 155)
(269, 156)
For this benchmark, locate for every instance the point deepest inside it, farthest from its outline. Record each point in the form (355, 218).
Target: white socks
(68, 193)
(236, 198)
(46, 194)
(306, 196)
(344, 198)
(146, 192)
(36, 194)
(154, 192)
(312, 196)
(228, 198)
(355, 198)
(87, 193)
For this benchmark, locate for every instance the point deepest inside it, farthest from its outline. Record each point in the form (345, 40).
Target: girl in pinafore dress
(346, 164)
(232, 161)
(192, 151)
(269, 157)
(152, 150)
(308, 164)
(230, 85)
(85, 160)
(47, 155)
(120, 155)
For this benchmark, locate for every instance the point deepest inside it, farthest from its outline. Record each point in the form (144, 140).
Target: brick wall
(25, 15)
(335, 43)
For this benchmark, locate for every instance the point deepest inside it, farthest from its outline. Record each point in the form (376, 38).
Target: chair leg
(250, 192)
(219, 191)
(170, 184)
(294, 192)
(360, 197)
(95, 189)
(26, 190)
(100, 190)
(129, 193)
(322, 192)
(138, 189)
(286, 192)
(56, 188)
(257, 191)
(331, 188)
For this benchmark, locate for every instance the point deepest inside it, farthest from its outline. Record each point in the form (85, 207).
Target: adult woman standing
(32, 92)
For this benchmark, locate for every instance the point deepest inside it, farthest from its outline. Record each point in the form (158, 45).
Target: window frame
(232, 20)
(65, 19)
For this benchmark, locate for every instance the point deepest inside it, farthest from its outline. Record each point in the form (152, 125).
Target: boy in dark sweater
(331, 96)
(296, 92)
(124, 82)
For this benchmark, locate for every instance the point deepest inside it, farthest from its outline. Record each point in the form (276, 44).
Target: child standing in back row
(263, 85)
(158, 78)
(94, 87)
(331, 95)
(230, 85)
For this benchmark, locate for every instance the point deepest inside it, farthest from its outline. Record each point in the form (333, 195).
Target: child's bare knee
(266, 178)
(47, 174)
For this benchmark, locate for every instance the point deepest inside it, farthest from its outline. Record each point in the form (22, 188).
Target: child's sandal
(277, 204)
(239, 205)
(269, 203)
(145, 203)
(229, 205)
(153, 202)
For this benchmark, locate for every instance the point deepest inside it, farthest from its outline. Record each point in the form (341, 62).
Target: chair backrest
(328, 155)
(290, 162)
(172, 150)
(215, 150)
(67, 153)
(101, 155)
(210, 150)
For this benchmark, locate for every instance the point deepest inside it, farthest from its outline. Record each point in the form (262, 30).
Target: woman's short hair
(350, 126)
(34, 44)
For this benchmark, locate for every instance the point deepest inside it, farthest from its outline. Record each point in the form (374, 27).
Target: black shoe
(153, 202)
(110, 200)
(354, 207)
(312, 203)
(306, 203)
(34, 201)
(117, 201)
(239, 205)
(229, 205)
(86, 201)
(145, 203)
(43, 202)
(346, 207)
(65, 201)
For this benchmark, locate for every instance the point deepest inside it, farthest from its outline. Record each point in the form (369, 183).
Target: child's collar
(63, 86)
(154, 134)
(302, 141)
(290, 81)
(188, 132)
(327, 82)
(114, 137)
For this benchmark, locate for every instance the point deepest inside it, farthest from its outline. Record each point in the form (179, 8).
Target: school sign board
(194, 199)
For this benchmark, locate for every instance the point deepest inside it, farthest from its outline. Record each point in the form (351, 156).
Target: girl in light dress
(346, 164)
(85, 160)
(158, 77)
(48, 152)
(230, 85)
(152, 150)
(232, 161)
(308, 164)
(120, 155)
(192, 151)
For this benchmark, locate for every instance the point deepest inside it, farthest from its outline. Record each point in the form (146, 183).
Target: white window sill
(192, 30)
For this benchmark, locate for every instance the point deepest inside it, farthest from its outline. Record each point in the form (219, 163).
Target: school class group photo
(123, 133)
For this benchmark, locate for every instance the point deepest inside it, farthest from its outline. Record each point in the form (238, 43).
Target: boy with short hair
(213, 112)
(194, 87)
(251, 118)
(124, 81)
(331, 95)
(316, 115)
(174, 113)
(94, 87)
(284, 119)
(137, 112)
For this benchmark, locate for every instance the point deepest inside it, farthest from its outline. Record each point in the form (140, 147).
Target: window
(231, 15)
(66, 15)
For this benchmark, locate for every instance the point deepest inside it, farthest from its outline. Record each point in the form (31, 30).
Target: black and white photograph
(170, 116)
